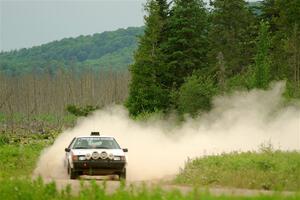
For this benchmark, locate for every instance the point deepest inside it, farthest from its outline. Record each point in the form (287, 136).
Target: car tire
(122, 175)
(72, 173)
(68, 169)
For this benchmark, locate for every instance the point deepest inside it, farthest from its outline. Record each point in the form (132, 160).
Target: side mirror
(67, 149)
(125, 150)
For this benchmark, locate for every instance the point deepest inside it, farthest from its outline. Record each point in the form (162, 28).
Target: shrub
(195, 95)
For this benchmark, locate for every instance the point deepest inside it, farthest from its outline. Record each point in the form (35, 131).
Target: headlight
(103, 155)
(119, 158)
(74, 157)
(123, 158)
(111, 156)
(88, 156)
(81, 158)
(95, 155)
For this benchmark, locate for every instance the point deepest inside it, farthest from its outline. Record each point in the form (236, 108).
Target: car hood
(115, 152)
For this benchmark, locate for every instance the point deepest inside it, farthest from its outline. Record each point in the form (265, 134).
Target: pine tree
(270, 13)
(262, 60)
(282, 16)
(292, 48)
(146, 95)
(185, 49)
(163, 14)
(231, 34)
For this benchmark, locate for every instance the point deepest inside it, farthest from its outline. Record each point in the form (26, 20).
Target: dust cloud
(157, 148)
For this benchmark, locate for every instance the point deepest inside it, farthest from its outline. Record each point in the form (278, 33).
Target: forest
(191, 52)
(110, 50)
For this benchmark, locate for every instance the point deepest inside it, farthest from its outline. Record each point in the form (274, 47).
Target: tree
(163, 14)
(292, 47)
(270, 13)
(231, 33)
(262, 60)
(146, 94)
(185, 49)
(283, 17)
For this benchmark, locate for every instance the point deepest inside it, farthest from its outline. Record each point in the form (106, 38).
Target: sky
(27, 23)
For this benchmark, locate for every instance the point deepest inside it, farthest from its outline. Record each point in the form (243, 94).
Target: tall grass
(267, 169)
(14, 189)
(19, 152)
(16, 161)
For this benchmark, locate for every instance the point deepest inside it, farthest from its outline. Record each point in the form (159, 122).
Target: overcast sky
(26, 23)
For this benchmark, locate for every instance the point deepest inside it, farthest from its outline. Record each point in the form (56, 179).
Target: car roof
(94, 136)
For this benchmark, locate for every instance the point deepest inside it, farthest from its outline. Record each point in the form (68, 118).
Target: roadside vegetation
(19, 153)
(23, 189)
(266, 169)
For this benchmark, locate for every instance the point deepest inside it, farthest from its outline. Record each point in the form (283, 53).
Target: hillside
(107, 50)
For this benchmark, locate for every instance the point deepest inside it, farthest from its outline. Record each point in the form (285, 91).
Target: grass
(18, 160)
(266, 169)
(19, 153)
(13, 189)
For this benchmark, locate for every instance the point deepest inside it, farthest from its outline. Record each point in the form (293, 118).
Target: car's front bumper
(99, 167)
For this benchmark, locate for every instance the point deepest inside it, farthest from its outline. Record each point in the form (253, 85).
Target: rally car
(95, 155)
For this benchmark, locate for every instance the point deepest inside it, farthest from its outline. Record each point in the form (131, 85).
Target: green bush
(195, 95)
(81, 111)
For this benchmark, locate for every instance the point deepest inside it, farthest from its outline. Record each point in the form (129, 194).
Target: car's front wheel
(72, 173)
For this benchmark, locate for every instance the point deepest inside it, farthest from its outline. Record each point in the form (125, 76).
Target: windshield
(95, 143)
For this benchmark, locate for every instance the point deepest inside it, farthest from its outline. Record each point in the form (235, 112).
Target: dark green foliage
(195, 95)
(231, 33)
(262, 60)
(284, 19)
(172, 48)
(145, 94)
(81, 111)
(292, 48)
(226, 46)
(185, 49)
(108, 50)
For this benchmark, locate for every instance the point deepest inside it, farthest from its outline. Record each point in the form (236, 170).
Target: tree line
(190, 52)
(100, 51)
(33, 101)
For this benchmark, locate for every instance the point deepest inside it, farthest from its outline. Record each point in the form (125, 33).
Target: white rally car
(95, 155)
